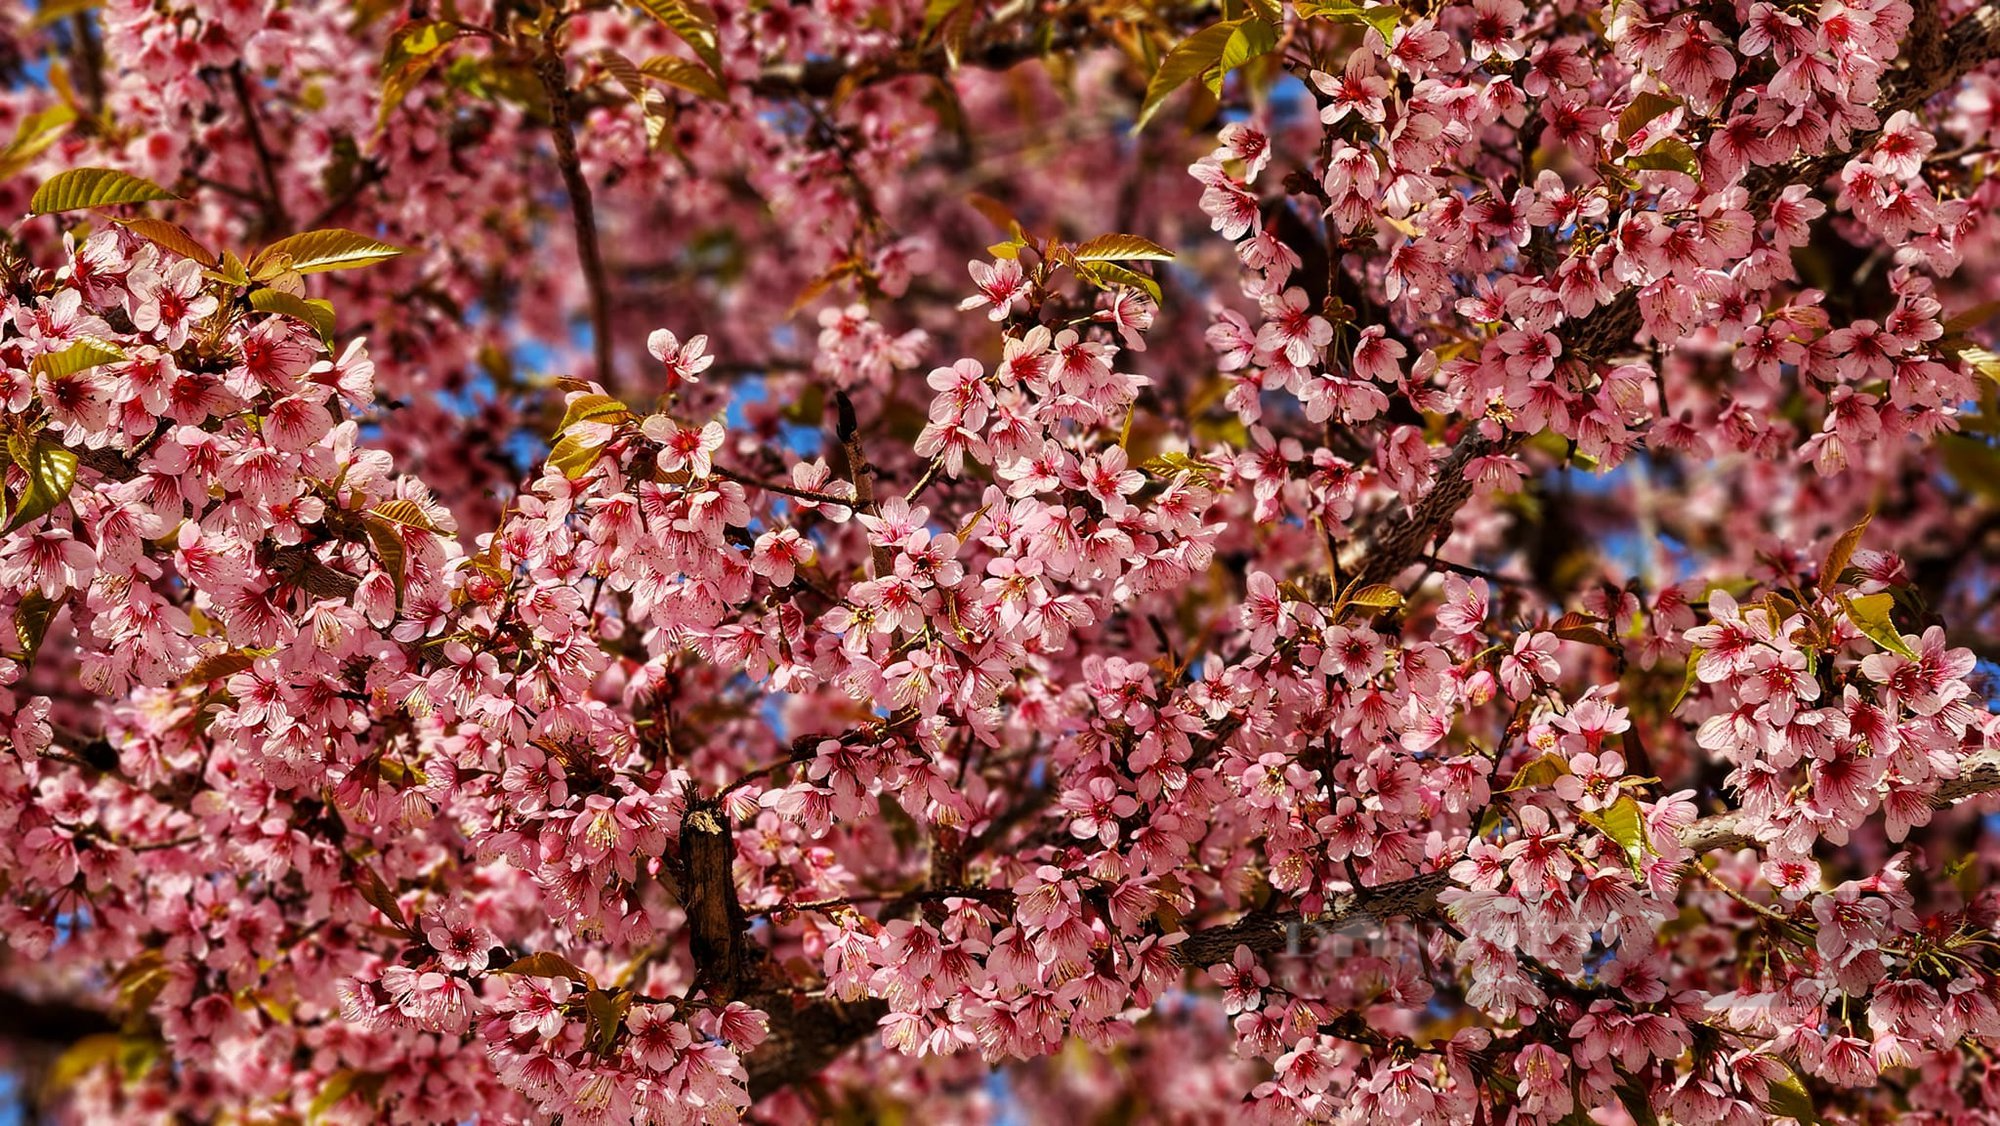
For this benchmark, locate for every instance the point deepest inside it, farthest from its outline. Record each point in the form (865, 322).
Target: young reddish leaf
(1842, 551)
(377, 894)
(169, 236)
(218, 666)
(547, 964)
(1587, 635)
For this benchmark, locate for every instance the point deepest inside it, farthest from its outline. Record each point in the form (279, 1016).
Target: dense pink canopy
(1057, 560)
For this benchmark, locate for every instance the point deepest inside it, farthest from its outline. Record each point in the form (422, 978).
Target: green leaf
(694, 23)
(1381, 17)
(606, 1012)
(1251, 39)
(81, 1058)
(1788, 1099)
(318, 251)
(1121, 248)
(1375, 596)
(1973, 464)
(83, 355)
(413, 49)
(1671, 154)
(32, 618)
(573, 457)
(949, 23)
(136, 1057)
(51, 470)
(338, 1086)
(1542, 772)
(1172, 464)
(35, 134)
(140, 984)
(1842, 551)
(342, 1085)
(81, 188)
(230, 271)
(1687, 682)
(1105, 275)
(592, 407)
(307, 310)
(685, 75)
(1870, 614)
(1981, 360)
(1641, 110)
(1623, 821)
(1185, 62)
(633, 80)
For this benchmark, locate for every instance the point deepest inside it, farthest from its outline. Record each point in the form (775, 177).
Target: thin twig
(549, 68)
(785, 490)
(931, 472)
(859, 472)
(275, 220)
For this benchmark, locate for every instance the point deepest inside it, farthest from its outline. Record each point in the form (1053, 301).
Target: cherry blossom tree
(1064, 560)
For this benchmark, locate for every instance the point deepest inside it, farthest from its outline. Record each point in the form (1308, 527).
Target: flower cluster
(1496, 636)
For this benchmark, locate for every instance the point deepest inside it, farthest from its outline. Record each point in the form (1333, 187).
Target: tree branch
(1405, 537)
(1610, 329)
(1418, 895)
(562, 128)
(848, 429)
(806, 1036)
(821, 78)
(275, 219)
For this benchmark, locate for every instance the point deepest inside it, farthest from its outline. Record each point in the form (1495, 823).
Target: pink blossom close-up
(604, 562)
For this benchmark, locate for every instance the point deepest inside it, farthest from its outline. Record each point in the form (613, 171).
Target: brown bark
(562, 130)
